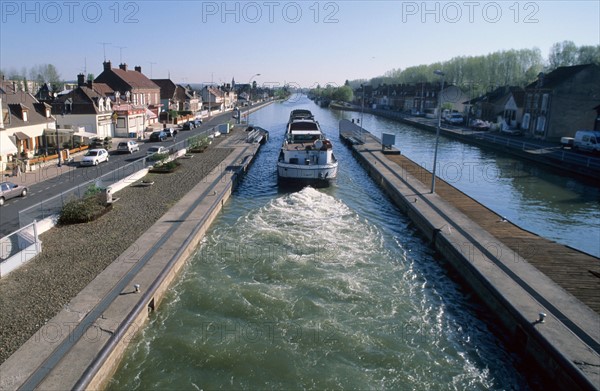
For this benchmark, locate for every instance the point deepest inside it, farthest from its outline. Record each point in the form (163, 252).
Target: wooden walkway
(576, 272)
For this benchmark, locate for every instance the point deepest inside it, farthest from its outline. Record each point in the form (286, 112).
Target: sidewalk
(50, 169)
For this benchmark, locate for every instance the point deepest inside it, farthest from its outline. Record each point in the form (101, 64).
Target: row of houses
(119, 102)
(555, 105)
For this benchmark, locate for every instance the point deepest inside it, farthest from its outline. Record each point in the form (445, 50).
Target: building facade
(24, 125)
(137, 100)
(561, 102)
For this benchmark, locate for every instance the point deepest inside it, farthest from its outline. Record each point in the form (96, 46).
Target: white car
(153, 150)
(455, 119)
(128, 146)
(94, 157)
(587, 140)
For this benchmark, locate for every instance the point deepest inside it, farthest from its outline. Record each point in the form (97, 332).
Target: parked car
(10, 190)
(454, 119)
(93, 157)
(169, 132)
(197, 122)
(587, 140)
(478, 124)
(567, 142)
(158, 136)
(188, 126)
(153, 150)
(128, 146)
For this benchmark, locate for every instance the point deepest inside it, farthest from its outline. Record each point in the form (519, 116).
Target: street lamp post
(362, 112)
(437, 133)
(250, 98)
(56, 130)
(57, 142)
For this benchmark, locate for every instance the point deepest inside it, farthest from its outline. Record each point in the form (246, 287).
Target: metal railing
(18, 248)
(53, 206)
(551, 152)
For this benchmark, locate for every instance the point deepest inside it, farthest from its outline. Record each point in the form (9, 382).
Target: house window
(536, 100)
(25, 115)
(525, 123)
(545, 102)
(540, 125)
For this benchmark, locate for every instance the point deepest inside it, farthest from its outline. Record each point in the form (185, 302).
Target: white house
(23, 124)
(85, 107)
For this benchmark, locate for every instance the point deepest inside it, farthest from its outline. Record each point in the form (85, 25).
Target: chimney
(123, 66)
(80, 80)
(540, 82)
(138, 69)
(107, 65)
(90, 83)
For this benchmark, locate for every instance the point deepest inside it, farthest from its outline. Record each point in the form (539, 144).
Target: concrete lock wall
(522, 335)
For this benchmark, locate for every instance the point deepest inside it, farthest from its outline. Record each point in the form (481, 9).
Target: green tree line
(343, 93)
(486, 72)
(44, 73)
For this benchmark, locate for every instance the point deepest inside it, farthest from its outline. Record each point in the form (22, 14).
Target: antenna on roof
(104, 48)
(121, 53)
(151, 63)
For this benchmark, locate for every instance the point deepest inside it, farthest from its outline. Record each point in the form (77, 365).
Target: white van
(587, 140)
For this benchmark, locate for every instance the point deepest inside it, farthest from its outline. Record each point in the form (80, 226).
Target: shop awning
(150, 114)
(21, 136)
(8, 148)
(85, 134)
(52, 132)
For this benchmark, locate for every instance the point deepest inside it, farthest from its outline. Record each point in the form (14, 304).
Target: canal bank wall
(564, 343)
(82, 346)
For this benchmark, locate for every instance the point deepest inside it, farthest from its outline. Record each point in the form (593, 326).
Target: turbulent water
(315, 289)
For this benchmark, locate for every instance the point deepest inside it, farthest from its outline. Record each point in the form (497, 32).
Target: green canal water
(316, 289)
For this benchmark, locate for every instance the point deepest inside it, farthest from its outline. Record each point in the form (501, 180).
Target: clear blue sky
(300, 42)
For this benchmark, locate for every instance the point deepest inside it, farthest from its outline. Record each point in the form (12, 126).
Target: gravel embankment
(72, 256)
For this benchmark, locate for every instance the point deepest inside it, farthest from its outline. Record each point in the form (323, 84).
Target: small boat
(306, 156)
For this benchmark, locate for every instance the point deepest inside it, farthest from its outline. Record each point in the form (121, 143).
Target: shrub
(158, 157)
(199, 143)
(82, 210)
(167, 167)
(92, 190)
(170, 165)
